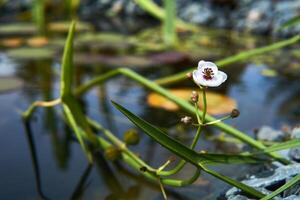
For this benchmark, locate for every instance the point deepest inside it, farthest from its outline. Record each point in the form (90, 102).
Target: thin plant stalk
(169, 28)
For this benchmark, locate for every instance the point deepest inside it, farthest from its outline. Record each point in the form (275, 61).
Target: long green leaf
(169, 29)
(67, 64)
(289, 184)
(38, 15)
(181, 150)
(290, 22)
(285, 145)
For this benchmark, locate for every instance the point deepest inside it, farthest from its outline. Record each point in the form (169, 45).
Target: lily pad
(37, 41)
(269, 72)
(9, 84)
(19, 29)
(217, 104)
(113, 61)
(104, 41)
(11, 42)
(63, 27)
(31, 53)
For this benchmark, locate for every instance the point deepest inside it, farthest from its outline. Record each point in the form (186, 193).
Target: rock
(294, 153)
(266, 133)
(197, 13)
(270, 183)
(296, 132)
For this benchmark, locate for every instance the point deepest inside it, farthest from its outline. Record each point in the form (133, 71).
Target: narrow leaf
(291, 22)
(289, 184)
(169, 28)
(285, 145)
(181, 150)
(67, 63)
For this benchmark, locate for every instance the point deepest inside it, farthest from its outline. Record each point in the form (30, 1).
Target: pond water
(43, 160)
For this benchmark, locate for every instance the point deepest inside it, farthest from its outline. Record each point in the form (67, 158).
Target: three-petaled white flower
(208, 75)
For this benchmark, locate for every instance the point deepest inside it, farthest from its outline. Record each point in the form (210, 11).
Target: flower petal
(217, 80)
(197, 76)
(203, 64)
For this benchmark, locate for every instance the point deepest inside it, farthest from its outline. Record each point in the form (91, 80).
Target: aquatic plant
(84, 129)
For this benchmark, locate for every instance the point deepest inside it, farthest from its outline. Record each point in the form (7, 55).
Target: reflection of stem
(34, 159)
(77, 194)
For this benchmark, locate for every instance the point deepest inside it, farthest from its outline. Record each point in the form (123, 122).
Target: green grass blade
(289, 184)
(157, 12)
(38, 15)
(67, 64)
(235, 183)
(169, 29)
(181, 150)
(282, 146)
(291, 22)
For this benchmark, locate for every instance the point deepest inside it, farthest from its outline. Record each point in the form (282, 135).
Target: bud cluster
(194, 97)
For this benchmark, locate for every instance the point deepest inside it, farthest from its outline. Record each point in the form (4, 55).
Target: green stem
(204, 105)
(180, 102)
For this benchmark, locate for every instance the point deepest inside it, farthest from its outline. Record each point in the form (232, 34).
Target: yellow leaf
(217, 104)
(37, 41)
(12, 42)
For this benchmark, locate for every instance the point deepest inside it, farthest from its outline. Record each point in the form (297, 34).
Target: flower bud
(112, 153)
(131, 137)
(194, 97)
(189, 75)
(186, 120)
(234, 113)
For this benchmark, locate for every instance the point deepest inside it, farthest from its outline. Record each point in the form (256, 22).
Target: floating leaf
(37, 41)
(9, 83)
(216, 103)
(31, 53)
(269, 72)
(114, 61)
(18, 29)
(63, 27)
(11, 42)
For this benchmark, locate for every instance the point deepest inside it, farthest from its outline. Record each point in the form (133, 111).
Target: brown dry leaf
(37, 41)
(12, 42)
(217, 104)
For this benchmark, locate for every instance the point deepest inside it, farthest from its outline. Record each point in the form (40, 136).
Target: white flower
(208, 75)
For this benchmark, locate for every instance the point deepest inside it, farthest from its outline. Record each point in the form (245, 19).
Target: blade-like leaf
(289, 184)
(293, 21)
(169, 29)
(67, 64)
(282, 146)
(182, 151)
